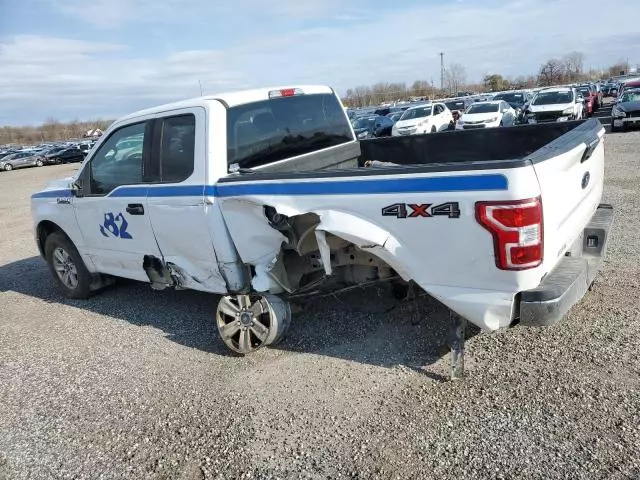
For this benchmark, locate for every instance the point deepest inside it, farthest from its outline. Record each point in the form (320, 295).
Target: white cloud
(248, 43)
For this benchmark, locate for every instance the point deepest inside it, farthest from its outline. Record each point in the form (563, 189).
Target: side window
(439, 109)
(177, 144)
(119, 160)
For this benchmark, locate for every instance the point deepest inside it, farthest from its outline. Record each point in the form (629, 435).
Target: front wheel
(8, 167)
(247, 323)
(39, 163)
(65, 263)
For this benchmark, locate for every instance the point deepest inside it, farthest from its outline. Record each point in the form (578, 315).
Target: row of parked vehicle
(509, 108)
(626, 108)
(41, 155)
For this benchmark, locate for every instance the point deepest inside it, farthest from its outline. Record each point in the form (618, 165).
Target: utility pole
(200, 83)
(442, 71)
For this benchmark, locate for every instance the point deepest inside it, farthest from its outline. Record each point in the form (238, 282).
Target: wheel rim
(248, 322)
(8, 167)
(65, 268)
(39, 163)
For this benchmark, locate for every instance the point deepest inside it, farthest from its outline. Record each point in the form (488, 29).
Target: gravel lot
(135, 384)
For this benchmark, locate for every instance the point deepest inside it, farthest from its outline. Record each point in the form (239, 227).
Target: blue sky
(73, 59)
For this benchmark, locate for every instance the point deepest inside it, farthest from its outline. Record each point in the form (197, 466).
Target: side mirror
(77, 187)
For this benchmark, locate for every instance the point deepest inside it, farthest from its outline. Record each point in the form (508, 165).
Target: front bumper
(621, 121)
(568, 282)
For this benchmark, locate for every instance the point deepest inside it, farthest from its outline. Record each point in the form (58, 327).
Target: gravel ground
(135, 384)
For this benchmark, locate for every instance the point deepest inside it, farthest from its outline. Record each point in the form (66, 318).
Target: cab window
(118, 161)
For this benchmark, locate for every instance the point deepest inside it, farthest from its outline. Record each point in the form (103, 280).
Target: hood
(410, 123)
(630, 106)
(479, 117)
(60, 184)
(557, 107)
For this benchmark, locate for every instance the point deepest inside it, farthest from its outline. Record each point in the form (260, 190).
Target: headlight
(531, 115)
(568, 111)
(363, 134)
(617, 112)
(491, 120)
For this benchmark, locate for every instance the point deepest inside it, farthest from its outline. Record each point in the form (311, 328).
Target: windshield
(418, 112)
(631, 96)
(585, 92)
(483, 108)
(513, 98)
(551, 98)
(272, 130)
(455, 105)
(363, 122)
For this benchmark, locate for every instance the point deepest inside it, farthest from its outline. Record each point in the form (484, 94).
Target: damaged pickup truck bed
(266, 195)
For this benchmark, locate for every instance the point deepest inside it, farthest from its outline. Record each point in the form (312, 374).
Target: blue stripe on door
(456, 183)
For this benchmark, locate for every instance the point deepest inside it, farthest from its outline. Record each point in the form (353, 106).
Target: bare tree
(551, 73)
(574, 65)
(455, 76)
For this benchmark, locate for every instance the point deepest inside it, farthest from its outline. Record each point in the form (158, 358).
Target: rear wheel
(65, 263)
(247, 323)
(39, 163)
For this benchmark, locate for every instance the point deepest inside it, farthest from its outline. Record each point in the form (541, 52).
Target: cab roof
(229, 99)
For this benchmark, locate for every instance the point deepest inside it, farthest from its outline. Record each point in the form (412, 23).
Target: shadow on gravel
(366, 326)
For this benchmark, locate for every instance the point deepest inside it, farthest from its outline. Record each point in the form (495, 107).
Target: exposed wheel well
(46, 228)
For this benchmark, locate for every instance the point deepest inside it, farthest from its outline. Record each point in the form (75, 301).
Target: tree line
(51, 130)
(557, 71)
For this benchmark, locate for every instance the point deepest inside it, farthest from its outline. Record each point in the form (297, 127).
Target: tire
(39, 163)
(434, 129)
(247, 323)
(8, 167)
(69, 272)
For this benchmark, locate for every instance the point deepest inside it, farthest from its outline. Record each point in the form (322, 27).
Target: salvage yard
(135, 383)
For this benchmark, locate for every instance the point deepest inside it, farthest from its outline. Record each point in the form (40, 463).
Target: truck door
(111, 208)
(176, 202)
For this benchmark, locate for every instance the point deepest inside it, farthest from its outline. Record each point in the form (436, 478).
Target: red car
(590, 100)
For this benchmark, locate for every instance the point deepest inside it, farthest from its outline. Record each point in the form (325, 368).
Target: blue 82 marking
(110, 226)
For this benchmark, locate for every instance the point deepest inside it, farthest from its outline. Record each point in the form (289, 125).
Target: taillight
(516, 227)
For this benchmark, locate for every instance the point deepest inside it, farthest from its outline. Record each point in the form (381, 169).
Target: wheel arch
(43, 230)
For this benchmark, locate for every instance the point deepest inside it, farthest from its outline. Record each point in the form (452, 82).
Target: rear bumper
(568, 282)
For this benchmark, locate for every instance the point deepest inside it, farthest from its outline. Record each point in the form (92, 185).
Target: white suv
(555, 105)
(428, 118)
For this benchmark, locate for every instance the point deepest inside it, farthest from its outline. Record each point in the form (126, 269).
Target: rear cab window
(271, 130)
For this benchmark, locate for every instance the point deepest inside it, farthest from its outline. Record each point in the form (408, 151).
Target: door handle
(135, 209)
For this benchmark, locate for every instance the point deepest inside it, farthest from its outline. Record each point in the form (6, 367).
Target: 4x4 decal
(422, 210)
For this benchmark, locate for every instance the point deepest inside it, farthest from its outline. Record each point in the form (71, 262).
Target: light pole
(442, 71)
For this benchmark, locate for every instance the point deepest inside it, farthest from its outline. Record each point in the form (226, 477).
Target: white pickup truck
(265, 195)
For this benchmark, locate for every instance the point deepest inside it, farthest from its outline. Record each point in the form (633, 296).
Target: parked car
(67, 155)
(590, 100)
(496, 113)
(518, 100)
(458, 106)
(555, 105)
(631, 83)
(595, 97)
(21, 160)
(626, 111)
(277, 210)
(395, 116)
(428, 118)
(373, 126)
